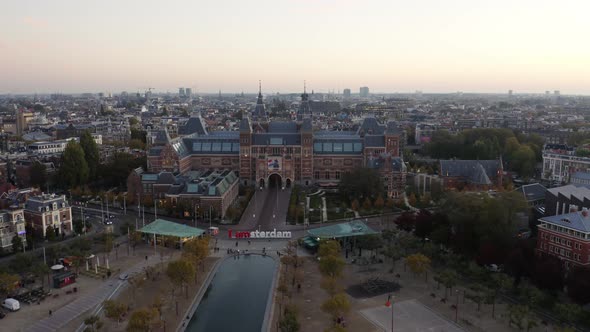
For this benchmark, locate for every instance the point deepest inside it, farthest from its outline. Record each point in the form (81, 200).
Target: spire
(304, 91)
(259, 89)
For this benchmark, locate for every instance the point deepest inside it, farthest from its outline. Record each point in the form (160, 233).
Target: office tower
(510, 94)
(181, 92)
(188, 92)
(346, 93)
(364, 92)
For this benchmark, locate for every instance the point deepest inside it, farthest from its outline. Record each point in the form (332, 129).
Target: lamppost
(388, 304)
(457, 306)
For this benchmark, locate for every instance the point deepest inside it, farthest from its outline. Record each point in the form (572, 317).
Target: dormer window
(55, 206)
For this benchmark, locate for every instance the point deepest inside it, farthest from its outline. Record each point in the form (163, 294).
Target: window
(327, 175)
(317, 175)
(337, 175)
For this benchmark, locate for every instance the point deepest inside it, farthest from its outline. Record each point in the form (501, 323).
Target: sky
(68, 46)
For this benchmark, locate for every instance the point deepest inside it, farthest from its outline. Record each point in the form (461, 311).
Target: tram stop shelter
(160, 228)
(344, 232)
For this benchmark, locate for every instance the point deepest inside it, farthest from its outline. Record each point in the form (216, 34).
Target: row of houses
(39, 212)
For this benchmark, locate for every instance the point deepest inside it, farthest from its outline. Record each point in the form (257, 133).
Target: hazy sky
(389, 45)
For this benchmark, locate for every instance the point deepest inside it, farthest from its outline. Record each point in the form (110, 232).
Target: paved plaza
(409, 316)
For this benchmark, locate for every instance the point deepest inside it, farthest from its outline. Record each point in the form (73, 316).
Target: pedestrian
(248, 242)
(50, 312)
(146, 257)
(236, 243)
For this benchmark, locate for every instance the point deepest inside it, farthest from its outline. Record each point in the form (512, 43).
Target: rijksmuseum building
(283, 153)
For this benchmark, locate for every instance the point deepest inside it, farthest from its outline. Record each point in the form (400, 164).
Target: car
(111, 216)
(493, 268)
(108, 222)
(123, 276)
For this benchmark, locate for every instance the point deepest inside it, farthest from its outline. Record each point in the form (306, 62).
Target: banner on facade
(275, 163)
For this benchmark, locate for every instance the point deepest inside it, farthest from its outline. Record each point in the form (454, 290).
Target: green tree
(523, 161)
(17, 244)
(379, 202)
(289, 321)
(114, 310)
(567, 313)
(74, 170)
(38, 175)
(448, 278)
(361, 183)
(50, 233)
(522, 317)
(91, 154)
(329, 248)
(93, 323)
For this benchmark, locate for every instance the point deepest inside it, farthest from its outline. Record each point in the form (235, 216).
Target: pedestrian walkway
(66, 314)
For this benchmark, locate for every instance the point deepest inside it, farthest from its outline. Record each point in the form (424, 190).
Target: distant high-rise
(181, 92)
(510, 94)
(346, 93)
(188, 92)
(364, 92)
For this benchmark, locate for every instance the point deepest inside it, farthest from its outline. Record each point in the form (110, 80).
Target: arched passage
(275, 181)
(288, 183)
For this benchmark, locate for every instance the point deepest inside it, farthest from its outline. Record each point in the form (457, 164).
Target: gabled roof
(162, 137)
(371, 126)
(574, 220)
(474, 171)
(192, 126)
(245, 124)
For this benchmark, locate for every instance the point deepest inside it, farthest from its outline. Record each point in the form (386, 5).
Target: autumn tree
(336, 306)
(114, 310)
(180, 272)
(8, 283)
(418, 263)
(142, 320)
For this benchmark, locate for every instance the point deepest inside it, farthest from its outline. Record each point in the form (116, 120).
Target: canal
(237, 296)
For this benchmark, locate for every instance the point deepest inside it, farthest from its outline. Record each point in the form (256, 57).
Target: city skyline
(70, 47)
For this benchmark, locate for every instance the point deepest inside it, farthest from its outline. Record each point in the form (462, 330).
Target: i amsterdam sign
(274, 234)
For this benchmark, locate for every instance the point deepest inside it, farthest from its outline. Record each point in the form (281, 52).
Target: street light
(457, 305)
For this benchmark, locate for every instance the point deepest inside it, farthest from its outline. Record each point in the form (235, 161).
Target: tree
(74, 170)
(92, 323)
(330, 285)
(329, 248)
(114, 310)
(423, 222)
(355, 205)
(549, 273)
(379, 202)
(38, 175)
(8, 283)
(134, 239)
(521, 316)
(367, 204)
(500, 282)
(394, 252)
(331, 266)
(41, 270)
(91, 154)
(418, 263)
(406, 221)
(17, 244)
(578, 285)
(289, 321)
(337, 305)
(50, 233)
(136, 144)
(142, 320)
(567, 313)
(361, 183)
(448, 278)
(180, 272)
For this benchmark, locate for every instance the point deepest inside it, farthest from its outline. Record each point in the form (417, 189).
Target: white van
(11, 304)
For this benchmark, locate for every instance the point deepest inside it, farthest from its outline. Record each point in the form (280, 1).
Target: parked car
(108, 222)
(11, 304)
(494, 268)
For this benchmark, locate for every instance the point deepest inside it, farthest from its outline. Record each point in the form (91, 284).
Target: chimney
(585, 212)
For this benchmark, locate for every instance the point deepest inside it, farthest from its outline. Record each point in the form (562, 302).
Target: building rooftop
(533, 191)
(580, 192)
(579, 220)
